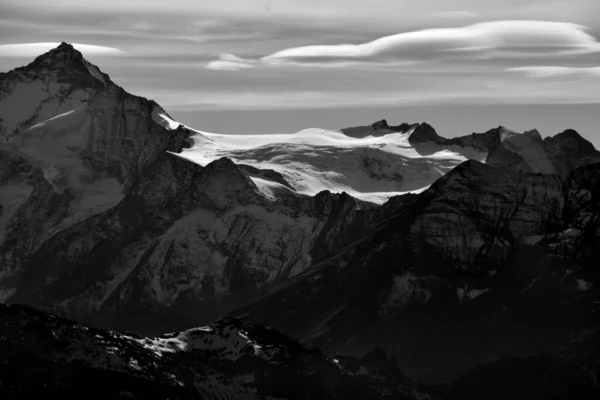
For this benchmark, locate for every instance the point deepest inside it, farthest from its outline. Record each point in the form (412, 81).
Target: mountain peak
(66, 64)
(424, 133)
(380, 125)
(571, 141)
(533, 133)
(65, 45)
(64, 53)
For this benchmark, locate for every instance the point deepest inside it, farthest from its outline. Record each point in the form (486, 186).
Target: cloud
(35, 49)
(556, 71)
(227, 65)
(495, 94)
(229, 62)
(456, 14)
(479, 41)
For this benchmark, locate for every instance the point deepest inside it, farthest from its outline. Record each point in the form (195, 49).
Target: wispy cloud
(456, 14)
(497, 93)
(484, 40)
(35, 49)
(221, 65)
(556, 71)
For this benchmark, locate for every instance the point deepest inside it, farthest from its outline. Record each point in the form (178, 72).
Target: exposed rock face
(54, 83)
(568, 150)
(424, 133)
(267, 174)
(379, 128)
(226, 360)
(105, 221)
(102, 220)
(525, 152)
(487, 263)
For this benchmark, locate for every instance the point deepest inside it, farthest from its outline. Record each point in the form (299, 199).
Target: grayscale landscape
(217, 201)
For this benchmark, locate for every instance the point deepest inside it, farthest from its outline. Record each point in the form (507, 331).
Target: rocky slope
(488, 263)
(101, 217)
(54, 83)
(524, 152)
(226, 360)
(106, 219)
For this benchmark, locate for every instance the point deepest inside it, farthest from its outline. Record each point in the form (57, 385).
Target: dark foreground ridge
(46, 355)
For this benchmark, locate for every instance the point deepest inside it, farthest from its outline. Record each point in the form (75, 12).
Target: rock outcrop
(226, 360)
(54, 83)
(488, 263)
(103, 221)
(379, 128)
(523, 152)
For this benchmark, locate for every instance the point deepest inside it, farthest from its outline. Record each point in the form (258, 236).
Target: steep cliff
(104, 221)
(116, 215)
(487, 263)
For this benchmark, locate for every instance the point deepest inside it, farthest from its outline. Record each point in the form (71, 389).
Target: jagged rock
(103, 221)
(568, 150)
(267, 174)
(380, 125)
(379, 128)
(424, 133)
(54, 83)
(487, 263)
(225, 360)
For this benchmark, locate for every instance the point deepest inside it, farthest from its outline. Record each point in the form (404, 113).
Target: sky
(274, 66)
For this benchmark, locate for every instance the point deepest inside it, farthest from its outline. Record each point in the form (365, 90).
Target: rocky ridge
(488, 263)
(526, 152)
(101, 220)
(225, 360)
(492, 254)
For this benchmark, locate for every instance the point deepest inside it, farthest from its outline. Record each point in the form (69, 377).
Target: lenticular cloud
(487, 40)
(34, 49)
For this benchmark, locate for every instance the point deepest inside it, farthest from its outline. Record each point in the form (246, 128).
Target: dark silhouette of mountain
(43, 354)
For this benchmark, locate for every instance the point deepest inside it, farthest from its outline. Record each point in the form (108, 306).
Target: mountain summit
(54, 83)
(380, 242)
(526, 152)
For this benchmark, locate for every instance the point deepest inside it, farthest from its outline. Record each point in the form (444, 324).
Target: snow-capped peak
(54, 83)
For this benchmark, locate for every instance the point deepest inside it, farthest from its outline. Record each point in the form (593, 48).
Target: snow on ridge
(371, 168)
(269, 189)
(160, 117)
(229, 341)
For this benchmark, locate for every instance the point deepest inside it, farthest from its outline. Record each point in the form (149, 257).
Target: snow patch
(6, 294)
(270, 189)
(312, 160)
(160, 117)
(583, 286)
(474, 293)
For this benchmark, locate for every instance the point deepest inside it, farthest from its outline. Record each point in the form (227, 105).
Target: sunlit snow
(312, 160)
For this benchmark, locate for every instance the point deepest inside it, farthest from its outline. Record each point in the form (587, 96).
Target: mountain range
(453, 262)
